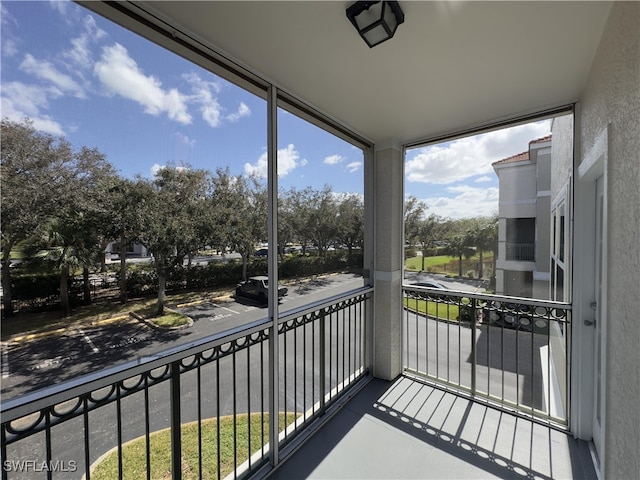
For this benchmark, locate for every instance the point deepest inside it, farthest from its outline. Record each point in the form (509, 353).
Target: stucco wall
(387, 347)
(612, 96)
(562, 153)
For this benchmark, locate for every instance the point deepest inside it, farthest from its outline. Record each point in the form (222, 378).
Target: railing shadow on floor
(434, 416)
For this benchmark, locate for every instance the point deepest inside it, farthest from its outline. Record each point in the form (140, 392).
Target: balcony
(521, 252)
(406, 429)
(483, 395)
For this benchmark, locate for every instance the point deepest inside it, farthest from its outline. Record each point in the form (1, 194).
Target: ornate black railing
(265, 385)
(511, 352)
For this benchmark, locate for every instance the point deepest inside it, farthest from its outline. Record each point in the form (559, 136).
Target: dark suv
(258, 288)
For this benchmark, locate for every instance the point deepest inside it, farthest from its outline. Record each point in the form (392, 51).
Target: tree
(350, 222)
(240, 205)
(427, 232)
(321, 222)
(483, 236)
(31, 174)
(300, 204)
(126, 204)
(286, 214)
(458, 248)
(61, 247)
(174, 201)
(51, 199)
(414, 211)
(89, 180)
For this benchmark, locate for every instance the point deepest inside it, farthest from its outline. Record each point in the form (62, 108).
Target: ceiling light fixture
(376, 21)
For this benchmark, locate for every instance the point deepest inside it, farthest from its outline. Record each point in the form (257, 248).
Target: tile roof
(540, 140)
(524, 156)
(521, 157)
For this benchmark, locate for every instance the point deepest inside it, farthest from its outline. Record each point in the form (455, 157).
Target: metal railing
(522, 252)
(510, 352)
(193, 391)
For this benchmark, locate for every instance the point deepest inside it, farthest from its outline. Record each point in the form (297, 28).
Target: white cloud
(469, 202)
(467, 157)
(184, 139)
(91, 28)
(483, 179)
(20, 101)
(60, 6)
(288, 159)
(44, 70)
(354, 167)
(80, 53)
(203, 94)
(333, 159)
(9, 47)
(243, 111)
(120, 74)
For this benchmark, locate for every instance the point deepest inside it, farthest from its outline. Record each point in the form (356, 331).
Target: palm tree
(427, 231)
(458, 248)
(62, 247)
(483, 236)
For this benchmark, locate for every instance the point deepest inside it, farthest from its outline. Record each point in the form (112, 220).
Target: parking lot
(35, 362)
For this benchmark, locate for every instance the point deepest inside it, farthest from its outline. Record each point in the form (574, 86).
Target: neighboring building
(133, 249)
(522, 266)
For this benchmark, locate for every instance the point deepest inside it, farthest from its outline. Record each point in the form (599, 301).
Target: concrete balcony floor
(405, 429)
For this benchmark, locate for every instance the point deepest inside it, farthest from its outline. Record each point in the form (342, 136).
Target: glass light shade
(376, 21)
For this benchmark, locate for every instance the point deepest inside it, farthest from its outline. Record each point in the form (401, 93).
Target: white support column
(389, 204)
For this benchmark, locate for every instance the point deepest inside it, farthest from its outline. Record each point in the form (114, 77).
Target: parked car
(263, 252)
(258, 289)
(429, 284)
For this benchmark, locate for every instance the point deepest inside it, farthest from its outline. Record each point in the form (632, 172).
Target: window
(558, 291)
(157, 192)
(478, 208)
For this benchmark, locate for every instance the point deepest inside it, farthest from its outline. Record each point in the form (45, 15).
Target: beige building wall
(612, 97)
(562, 153)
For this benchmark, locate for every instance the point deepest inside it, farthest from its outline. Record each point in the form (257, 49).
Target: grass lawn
(134, 463)
(415, 263)
(170, 319)
(445, 262)
(433, 309)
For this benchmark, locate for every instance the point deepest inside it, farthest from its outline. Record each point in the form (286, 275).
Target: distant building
(523, 263)
(133, 250)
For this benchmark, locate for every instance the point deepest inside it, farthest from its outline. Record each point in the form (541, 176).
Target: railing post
(272, 267)
(474, 360)
(323, 368)
(176, 423)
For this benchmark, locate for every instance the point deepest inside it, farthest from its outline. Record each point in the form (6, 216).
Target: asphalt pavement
(35, 361)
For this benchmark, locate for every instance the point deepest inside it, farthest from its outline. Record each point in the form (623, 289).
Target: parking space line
(88, 340)
(228, 309)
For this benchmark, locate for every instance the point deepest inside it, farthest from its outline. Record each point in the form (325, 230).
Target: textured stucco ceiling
(451, 65)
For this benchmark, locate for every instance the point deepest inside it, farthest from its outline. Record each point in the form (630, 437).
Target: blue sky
(77, 75)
